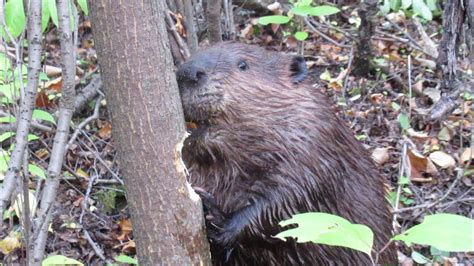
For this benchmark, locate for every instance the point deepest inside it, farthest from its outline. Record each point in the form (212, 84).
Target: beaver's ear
(298, 69)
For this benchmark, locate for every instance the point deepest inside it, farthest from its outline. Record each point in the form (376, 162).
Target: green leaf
(8, 91)
(395, 5)
(303, 2)
(15, 17)
(403, 180)
(328, 229)
(43, 76)
(395, 106)
(126, 259)
(83, 6)
(46, 15)
(53, 11)
(404, 121)
(8, 119)
(432, 4)
(4, 160)
(5, 100)
(6, 136)
(436, 252)
(406, 4)
(325, 75)
(385, 8)
(467, 96)
(5, 64)
(447, 232)
(36, 171)
(72, 15)
(32, 137)
(418, 258)
(273, 20)
(323, 10)
(59, 260)
(301, 35)
(419, 7)
(43, 115)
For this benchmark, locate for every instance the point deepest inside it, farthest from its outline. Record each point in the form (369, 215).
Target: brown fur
(267, 148)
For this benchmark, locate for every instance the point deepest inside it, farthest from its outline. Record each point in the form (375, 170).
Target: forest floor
(391, 124)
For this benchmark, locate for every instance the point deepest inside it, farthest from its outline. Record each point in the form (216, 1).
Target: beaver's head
(227, 75)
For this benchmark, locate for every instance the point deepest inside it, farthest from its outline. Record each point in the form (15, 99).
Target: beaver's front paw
(214, 215)
(225, 237)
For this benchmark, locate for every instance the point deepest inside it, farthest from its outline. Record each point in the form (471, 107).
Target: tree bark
(148, 127)
(191, 32)
(456, 14)
(363, 52)
(214, 20)
(453, 18)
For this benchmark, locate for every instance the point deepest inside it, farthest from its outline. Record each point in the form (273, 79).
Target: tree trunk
(456, 13)
(148, 127)
(214, 20)
(191, 31)
(453, 18)
(363, 52)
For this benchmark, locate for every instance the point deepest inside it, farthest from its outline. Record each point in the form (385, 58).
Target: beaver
(267, 146)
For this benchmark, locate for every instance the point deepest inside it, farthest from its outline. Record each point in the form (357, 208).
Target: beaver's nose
(190, 73)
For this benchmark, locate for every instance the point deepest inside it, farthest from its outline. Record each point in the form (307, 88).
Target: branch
(66, 110)
(91, 118)
(26, 104)
(88, 93)
(324, 36)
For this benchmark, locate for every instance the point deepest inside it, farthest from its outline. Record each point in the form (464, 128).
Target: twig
(88, 93)
(184, 49)
(97, 249)
(391, 75)
(411, 39)
(409, 87)
(13, 127)
(324, 36)
(377, 254)
(431, 204)
(86, 121)
(66, 111)
(348, 71)
(403, 171)
(191, 33)
(332, 27)
(97, 155)
(27, 102)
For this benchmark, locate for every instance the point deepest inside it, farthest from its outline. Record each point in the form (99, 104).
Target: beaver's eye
(243, 65)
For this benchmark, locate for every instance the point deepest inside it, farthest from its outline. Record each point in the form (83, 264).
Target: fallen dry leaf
(78, 202)
(126, 228)
(275, 8)
(442, 159)
(51, 70)
(380, 155)
(420, 164)
(42, 100)
(418, 87)
(247, 32)
(129, 247)
(42, 153)
(417, 135)
(105, 131)
(466, 156)
(10, 243)
(55, 84)
(82, 173)
(445, 134)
